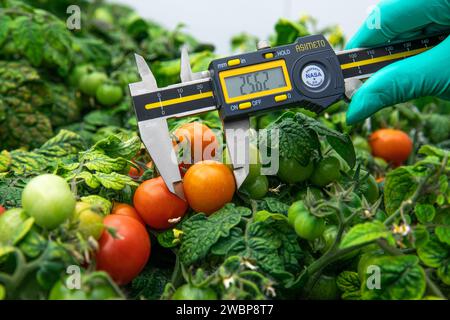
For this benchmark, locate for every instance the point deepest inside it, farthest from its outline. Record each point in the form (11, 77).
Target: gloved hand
(427, 74)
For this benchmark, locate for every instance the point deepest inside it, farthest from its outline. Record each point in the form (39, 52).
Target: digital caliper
(307, 73)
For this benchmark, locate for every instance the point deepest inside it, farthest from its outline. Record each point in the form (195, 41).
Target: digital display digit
(255, 82)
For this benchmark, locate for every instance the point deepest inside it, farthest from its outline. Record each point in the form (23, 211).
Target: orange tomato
(157, 206)
(197, 140)
(208, 186)
(392, 145)
(124, 209)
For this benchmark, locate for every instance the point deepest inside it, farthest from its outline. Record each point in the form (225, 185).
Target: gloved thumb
(427, 74)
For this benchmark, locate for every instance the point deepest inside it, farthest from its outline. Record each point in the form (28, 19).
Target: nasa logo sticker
(313, 76)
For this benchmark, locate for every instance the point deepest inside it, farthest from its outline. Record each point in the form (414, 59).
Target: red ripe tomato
(124, 209)
(2, 209)
(208, 186)
(125, 255)
(159, 207)
(392, 145)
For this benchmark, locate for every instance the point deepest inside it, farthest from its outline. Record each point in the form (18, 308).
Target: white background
(216, 21)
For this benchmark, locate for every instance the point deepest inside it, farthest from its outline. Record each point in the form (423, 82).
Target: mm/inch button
(234, 62)
(281, 98)
(245, 105)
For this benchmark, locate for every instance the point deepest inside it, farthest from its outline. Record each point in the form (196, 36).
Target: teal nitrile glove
(427, 74)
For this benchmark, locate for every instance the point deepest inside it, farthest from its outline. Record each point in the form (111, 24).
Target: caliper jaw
(238, 144)
(155, 133)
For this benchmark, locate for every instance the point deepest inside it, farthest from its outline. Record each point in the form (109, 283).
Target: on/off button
(245, 105)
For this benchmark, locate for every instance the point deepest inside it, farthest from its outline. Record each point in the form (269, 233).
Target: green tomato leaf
(150, 283)
(120, 145)
(350, 285)
(4, 29)
(273, 245)
(98, 161)
(114, 180)
(33, 244)
(424, 212)
(294, 141)
(200, 232)
(399, 278)
(288, 31)
(264, 215)
(400, 184)
(27, 36)
(343, 146)
(272, 205)
(366, 232)
(436, 254)
(65, 143)
(231, 245)
(58, 49)
(443, 234)
(5, 161)
(88, 178)
(14, 225)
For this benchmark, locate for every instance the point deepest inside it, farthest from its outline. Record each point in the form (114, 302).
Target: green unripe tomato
(371, 193)
(324, 289)
(78, 72)
(109, 94)
(294, 210)
(256, 188)
(48, 199)
(326, 171)
(90, 223)
(308, 226)
(189, 292)
(329, 236)
(89, 83)
(316, 192)
(291, 171)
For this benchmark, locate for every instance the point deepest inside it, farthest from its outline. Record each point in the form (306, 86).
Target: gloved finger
(427, 74)
(393, 18)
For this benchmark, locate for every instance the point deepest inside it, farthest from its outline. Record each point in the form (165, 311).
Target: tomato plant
(157, 206)
(208, 186)
(124, 248)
